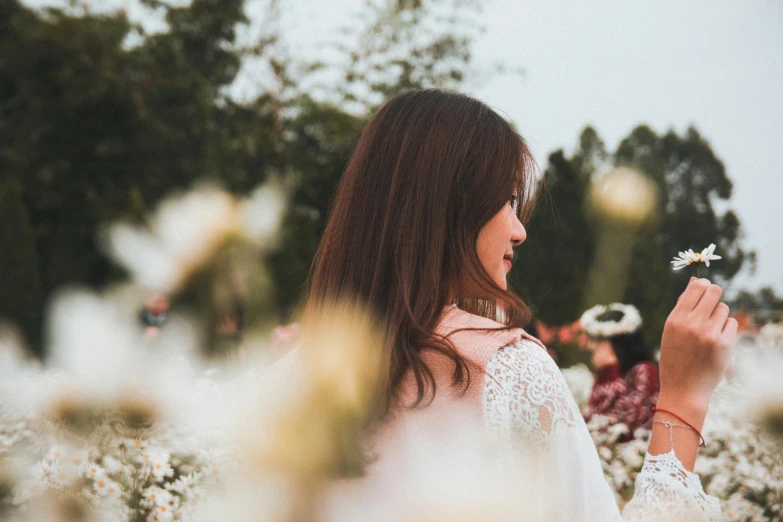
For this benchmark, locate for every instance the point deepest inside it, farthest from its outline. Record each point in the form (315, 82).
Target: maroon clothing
(626, 399)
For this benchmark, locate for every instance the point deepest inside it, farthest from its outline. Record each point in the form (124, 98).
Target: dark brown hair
(430, 169)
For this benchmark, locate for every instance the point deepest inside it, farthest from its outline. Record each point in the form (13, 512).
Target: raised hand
(696, 347)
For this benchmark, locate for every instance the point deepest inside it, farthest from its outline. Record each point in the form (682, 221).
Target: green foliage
(21, 299)
(556, 257)
(99, 121)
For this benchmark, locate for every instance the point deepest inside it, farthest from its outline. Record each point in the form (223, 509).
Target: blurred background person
(626, 376)
(154, 314)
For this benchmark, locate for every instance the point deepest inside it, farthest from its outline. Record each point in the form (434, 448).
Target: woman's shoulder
(472, 332)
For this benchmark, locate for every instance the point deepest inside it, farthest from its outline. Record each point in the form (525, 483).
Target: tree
(556, 257)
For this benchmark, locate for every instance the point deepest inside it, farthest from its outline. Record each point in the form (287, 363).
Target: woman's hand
(696, 347)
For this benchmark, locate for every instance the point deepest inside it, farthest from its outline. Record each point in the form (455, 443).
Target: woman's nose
(518, 233)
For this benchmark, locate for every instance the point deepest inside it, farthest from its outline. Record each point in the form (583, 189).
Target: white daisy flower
(690, 257)
(163, 512)
(105, 487)
(55, 453)
(155, 496)
(93, 471)
(158, 461)
(112, 465)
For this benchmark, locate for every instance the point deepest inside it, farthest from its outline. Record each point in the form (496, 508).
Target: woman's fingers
(730, 329)
(692, 295)
(709, 300)
(719, 317)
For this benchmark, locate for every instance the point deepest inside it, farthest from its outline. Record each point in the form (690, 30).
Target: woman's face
(496, 241)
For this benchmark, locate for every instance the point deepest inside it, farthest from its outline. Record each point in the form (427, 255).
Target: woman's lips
(508, 259)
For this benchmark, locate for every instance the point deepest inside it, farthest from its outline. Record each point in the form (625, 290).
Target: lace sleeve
(525, 397)
(527, 404)
(665, 490)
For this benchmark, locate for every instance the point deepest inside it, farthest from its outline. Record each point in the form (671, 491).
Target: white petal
(261, 214)
(188, 225)
(143, 255)
(93, 341)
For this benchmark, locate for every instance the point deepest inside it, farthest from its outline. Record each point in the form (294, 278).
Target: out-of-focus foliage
(20, 283)
(99, 120)
(556, 259)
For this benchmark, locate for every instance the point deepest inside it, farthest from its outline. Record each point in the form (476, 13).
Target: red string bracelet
(702, 443)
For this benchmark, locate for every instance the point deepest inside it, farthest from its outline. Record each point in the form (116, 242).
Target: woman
(626, 377)
(422, 232)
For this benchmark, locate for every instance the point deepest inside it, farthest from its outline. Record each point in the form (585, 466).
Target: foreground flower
(187, 231)
(690, 257)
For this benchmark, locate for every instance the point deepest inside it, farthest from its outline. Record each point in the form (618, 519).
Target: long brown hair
(430, 169)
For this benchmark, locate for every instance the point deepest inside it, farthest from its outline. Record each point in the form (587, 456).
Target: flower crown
(594, 326)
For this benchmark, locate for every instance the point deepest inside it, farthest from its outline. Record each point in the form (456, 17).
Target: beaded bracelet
(670, 425)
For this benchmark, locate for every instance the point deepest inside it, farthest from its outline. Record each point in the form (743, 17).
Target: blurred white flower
(690, 257)
(105, 487)
(580, 381)
(158, 463)
(261, 214)
(186, 231)
(94, 344)
(93, 471)
(13, 357)
(771, 335)
(155, 495)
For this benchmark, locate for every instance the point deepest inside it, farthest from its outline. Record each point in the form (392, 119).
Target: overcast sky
(717, 65)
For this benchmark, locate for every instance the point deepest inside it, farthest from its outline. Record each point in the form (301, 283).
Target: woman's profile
(422, 232)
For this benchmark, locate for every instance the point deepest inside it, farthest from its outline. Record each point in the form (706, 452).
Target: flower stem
(698, 274)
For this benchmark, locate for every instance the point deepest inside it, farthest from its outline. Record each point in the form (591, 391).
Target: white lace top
(527, 404)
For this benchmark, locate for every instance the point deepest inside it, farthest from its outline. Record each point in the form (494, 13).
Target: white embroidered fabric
(524, 400)
(528, 405)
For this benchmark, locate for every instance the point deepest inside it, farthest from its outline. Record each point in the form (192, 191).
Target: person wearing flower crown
(626, 377)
